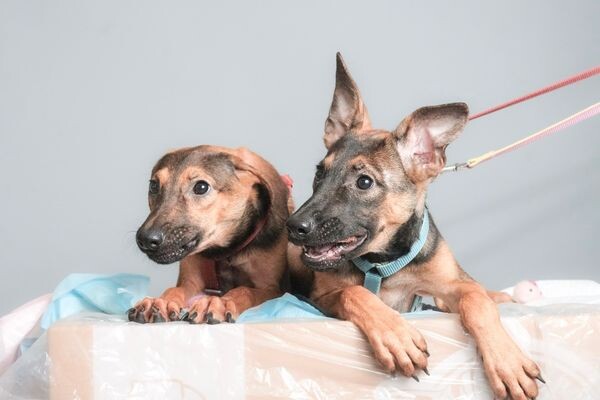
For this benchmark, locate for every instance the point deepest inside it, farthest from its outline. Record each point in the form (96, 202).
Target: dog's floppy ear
(424, 135)
(347, 111)
(278, 192)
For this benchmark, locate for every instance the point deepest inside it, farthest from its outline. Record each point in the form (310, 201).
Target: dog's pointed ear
(424, 135)
(347, 111)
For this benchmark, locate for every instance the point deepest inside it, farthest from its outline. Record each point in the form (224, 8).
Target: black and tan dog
(222, 212)
(371, 245)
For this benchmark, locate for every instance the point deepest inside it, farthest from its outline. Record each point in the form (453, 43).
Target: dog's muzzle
(323, 245)
(167, 246)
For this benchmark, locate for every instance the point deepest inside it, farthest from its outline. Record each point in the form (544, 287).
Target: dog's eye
(364, 182)
(201, 187)
(153, 187)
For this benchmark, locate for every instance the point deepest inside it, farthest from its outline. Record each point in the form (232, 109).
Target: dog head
(370, 188)
(208, 200)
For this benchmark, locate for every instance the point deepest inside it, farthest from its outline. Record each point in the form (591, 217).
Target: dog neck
(401, 242)
(374, 273)
(257, 230)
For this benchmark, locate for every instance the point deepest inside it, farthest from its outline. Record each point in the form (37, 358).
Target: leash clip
(456, 167)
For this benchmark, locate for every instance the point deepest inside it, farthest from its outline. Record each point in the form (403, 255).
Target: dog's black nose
(149, 240)
(299, 228)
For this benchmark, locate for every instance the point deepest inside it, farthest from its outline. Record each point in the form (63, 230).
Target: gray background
(92, 93)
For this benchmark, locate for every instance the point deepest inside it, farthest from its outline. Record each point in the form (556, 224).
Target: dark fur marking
(353, 144)
(218, 165)
(170, 160)
(232, 277)
(271, 231)
(404, 238)
(301, 284)
(430, 248)
(400, 244)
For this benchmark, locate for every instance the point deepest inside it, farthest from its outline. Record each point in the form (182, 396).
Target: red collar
(208, 268)
(257, 229)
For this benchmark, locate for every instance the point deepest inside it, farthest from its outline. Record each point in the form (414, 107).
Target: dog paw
(510, 372)
(212, 310)
(153, 310)
(499, 297)
(397, 346)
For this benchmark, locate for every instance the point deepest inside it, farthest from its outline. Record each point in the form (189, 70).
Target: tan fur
(327, 161)
(222, 214)
(162, 175)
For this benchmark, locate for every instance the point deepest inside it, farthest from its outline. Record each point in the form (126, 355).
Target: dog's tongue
(320, 251)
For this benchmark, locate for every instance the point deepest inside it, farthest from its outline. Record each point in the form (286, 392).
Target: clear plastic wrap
(102, 357)
(19, 327)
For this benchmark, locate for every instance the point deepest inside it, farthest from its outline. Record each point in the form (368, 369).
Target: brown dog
(222, 212)
(372, 246)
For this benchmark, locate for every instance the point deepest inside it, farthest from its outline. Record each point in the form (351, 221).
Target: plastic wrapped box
(99, 357)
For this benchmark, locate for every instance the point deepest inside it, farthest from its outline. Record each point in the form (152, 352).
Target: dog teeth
(333, 251)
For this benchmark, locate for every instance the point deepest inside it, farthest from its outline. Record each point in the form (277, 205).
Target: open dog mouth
(174, 254)
(332, 251)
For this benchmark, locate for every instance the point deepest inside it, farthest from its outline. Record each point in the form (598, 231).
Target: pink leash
(565, 123)
(565, 82)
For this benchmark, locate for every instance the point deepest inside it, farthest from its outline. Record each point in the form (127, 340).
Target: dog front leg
(214, 309)
(497, 297)
(168, 306)
(508, 370)
(396, 344)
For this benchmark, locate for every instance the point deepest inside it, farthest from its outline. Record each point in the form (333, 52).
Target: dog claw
(426, 371)
(426, 353)
(210, 320)
(156, 317)
(539, 378)
(183, 316)
(229, 318)
(139, 318)
(191, 318)
(173, 316)
(416, 378)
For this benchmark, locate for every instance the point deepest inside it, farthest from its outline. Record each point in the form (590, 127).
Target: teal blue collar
(374, 273)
